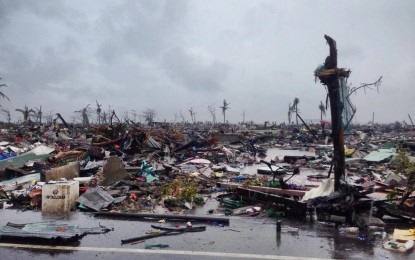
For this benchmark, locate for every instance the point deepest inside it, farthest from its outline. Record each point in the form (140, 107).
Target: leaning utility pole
(410, 119)
(329, 75)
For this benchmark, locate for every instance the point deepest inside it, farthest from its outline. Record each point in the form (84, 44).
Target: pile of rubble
(129, 169)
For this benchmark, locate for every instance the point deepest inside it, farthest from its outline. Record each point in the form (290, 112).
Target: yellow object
(218, 174)
(326, 72)
(404, 234)
(194, 174)
(349, 152)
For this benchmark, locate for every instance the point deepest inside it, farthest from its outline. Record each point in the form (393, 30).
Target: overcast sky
(173, 55)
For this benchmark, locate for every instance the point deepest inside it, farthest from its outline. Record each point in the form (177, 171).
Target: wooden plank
(293, 204)
(278, 191)
(161, 216)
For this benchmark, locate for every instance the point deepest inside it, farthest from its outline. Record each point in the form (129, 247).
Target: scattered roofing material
(39, 153)
(96, 198)
(11, 184)
(380, 155)
(48, 230)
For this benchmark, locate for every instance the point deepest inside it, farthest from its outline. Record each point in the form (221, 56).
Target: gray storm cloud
(190, 71)
(173, 55)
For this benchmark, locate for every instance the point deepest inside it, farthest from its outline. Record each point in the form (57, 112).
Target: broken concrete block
(113, 171)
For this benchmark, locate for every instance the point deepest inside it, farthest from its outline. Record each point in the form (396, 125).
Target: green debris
(151, 178)
(182, 190)
(262, 182)
(145, 169)
(230, 205)
(156, 245)
(319, 68)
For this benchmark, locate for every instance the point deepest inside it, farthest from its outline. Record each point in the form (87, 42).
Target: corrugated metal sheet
(96, 198)
(378, 156)
(48, 230)
(153, 143)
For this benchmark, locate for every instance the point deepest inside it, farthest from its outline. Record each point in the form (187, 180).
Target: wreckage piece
(39, 153)
(69, 172)
(380, 156)
(63, 120)
(162, 216)
(187, 229)
(404, 234)
(308, 128)
(195, 161)
(294, 158)
(10, 185)
(166, 232)
(276, 191)
(113, 171)
(274, 170)
(59, 196)
(96, 198)
(388, 208)
(394, 245)
(152, 143)
(365, 220)
(61, 155)
(48, 231)
(108, 142)
(325, 188)
(298, 207)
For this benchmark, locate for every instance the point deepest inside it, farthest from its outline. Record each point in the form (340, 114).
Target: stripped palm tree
(289, 113)
(149, 114)
(99, 112)
(212, 111)
(27, 113)
(2, 94)
(38, 114)
(192, 115)
(104, 117)
(295, 108)
(49, 117)
(7, 113)
(224, 108)
(85, 113)
(322, 109)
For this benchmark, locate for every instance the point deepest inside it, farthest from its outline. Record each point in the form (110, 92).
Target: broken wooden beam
(298, 206)
(162, 216)
(277, 191)
(166, 232)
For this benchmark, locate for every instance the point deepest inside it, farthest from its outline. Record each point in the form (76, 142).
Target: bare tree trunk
(296, 114)
(336, 108)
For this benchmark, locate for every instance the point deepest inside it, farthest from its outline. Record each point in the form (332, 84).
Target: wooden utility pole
(329, 75)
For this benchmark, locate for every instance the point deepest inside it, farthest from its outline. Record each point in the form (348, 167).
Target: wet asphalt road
(244, 235)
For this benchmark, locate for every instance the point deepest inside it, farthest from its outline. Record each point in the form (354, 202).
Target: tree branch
(367, 85)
